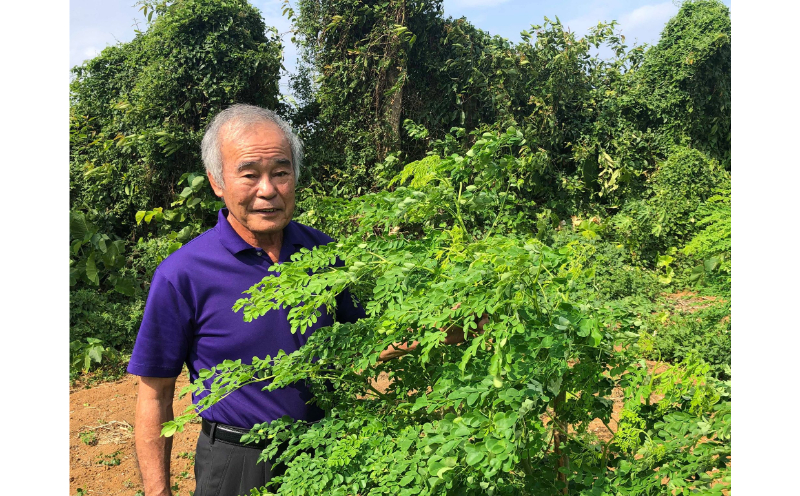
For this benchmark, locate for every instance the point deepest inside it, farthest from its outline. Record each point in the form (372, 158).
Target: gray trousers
(224, 469)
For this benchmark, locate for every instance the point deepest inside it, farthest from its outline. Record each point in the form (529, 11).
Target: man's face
(259, 178)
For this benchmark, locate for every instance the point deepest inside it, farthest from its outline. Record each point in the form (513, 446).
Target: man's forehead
(238, 127)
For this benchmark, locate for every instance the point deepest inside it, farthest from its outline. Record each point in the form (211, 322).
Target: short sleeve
(164, 338)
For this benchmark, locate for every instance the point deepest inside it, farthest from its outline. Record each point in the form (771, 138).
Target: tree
(683, 88)
(138, 109)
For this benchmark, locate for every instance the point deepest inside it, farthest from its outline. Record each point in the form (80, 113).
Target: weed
(111, 460)
(186, 455)
(88, 437)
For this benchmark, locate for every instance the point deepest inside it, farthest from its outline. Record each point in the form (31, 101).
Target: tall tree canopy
(138, 109)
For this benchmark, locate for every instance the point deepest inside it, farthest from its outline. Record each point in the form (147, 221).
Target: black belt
(229, 434)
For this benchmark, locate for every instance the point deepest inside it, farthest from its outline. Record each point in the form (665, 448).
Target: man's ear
(216, 187)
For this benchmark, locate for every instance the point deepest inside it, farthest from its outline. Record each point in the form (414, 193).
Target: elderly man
(252, 159)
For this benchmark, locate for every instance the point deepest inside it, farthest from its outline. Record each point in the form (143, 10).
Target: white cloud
(591, 14)
(90, 52)
(645, 23)
(580, 25)
(649, 14)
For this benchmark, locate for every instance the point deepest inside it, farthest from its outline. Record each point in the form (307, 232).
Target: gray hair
(240, 113)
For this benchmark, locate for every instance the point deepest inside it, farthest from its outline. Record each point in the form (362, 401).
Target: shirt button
(259, 252)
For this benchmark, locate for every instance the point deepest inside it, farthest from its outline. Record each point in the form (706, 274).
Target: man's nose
(265, 187)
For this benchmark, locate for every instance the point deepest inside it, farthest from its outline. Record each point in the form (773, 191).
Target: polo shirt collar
(293, 235)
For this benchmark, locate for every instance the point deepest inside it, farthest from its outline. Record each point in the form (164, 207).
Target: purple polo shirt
(188, 319)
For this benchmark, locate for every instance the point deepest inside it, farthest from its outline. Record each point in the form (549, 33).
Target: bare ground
(101, 451)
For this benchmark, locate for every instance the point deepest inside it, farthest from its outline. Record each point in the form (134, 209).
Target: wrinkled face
(259, 178)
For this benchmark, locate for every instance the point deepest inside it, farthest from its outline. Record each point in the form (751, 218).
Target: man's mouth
(267, 210)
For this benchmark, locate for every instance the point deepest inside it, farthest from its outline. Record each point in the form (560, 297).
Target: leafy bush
(96, 260)
(193, 212)
(490, 415)
(711, 246)
(665, 217)
(368, 67)
(679, 444)
(616, 276)
(706, 333)
(103, 327)
(683, 88)
(113, 317)
(137, 110)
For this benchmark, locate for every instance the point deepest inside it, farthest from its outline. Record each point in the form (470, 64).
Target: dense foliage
(506, 412)
(596, 128)
(579, 206)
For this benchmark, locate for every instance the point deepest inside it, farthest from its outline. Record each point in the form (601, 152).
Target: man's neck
(271, 243)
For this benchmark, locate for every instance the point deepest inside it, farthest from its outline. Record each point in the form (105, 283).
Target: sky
(95, 24)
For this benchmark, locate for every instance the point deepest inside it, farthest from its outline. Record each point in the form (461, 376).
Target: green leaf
(169, 429)
(697, 274)
(554, 385)
(595, 338)
(406, 480)
(91, 270)
(76, 246)
(711, 264)
(586, 327)
(96, 353)
(495, 445)
(475, 457)
(505, 422)
(125, 286)
(79, 227)
(442, 470)
(173, 247)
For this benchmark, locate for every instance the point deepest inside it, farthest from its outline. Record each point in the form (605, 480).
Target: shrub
(114, 318)
(137, 110)
(665, 217)
(683, 88)
(490, 415)
(710, 248)
(706, 333)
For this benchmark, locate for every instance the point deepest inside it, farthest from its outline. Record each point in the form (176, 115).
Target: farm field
(101, 448)
(552, 231)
